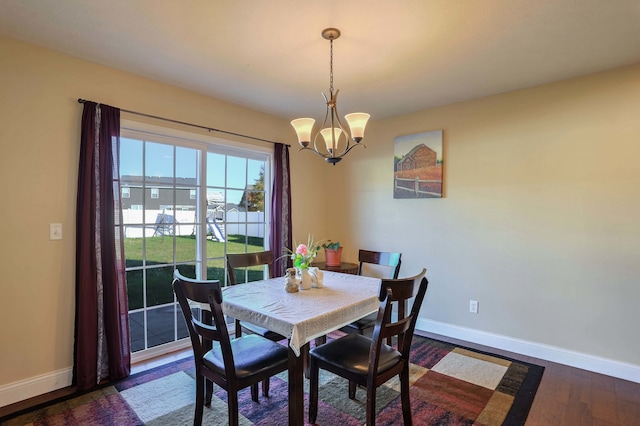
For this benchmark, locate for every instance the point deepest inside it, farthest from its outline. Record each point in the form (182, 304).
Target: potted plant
(332, 253)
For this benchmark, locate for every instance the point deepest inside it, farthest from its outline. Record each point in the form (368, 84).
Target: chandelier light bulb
(331, 143)
(357, 122)
(303, 128)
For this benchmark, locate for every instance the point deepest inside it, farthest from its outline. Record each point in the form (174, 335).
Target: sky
(404, 144)
(240, 171)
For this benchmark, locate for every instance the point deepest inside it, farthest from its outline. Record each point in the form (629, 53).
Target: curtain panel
(102, 347)
(281, 232)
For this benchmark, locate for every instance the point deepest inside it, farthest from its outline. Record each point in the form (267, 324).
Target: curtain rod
(210, 129)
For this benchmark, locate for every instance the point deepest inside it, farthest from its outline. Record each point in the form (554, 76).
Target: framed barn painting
(417, 165)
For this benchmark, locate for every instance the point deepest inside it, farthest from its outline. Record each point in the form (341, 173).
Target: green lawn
(160, 264)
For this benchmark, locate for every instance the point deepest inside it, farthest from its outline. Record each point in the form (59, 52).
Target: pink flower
(302, 249)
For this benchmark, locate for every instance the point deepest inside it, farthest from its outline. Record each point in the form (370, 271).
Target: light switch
(55, 231)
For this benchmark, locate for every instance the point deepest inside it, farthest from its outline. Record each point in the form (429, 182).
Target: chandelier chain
(331, 68)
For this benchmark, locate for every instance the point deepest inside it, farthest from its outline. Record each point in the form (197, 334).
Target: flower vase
(305, 279)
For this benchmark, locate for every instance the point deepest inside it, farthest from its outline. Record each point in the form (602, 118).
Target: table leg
(296, 388)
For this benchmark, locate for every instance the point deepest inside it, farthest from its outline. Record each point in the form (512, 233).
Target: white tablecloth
(307, 314)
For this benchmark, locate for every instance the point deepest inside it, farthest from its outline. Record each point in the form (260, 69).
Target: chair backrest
(212, 327)
(245, 260)
(404, 327)
(402, 290)
(390, 262)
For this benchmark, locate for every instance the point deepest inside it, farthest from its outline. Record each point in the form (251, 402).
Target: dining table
(302, 316)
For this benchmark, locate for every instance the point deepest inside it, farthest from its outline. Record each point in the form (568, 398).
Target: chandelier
(337, 140)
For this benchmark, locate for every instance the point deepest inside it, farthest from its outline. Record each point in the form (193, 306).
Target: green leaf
(329, 245)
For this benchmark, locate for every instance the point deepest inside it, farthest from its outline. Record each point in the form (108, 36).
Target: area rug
(450, 385)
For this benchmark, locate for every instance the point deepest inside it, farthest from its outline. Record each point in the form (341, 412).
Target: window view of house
(184, 207)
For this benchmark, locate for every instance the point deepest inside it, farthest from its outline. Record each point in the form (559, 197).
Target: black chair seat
(252, 355)
(364, 323)
(261, 331)
(351, 353)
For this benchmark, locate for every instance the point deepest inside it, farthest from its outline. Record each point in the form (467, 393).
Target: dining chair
(247, 260)
(232, 364)
(388, 261)
(380, 264)
(368, 361)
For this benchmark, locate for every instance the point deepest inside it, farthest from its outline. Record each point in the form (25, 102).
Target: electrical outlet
(55, 231)
(473, 306)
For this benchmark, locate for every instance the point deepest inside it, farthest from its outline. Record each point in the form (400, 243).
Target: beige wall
(39, 148)
(540, 222)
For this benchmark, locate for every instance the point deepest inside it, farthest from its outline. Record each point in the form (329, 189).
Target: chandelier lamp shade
(337, 140)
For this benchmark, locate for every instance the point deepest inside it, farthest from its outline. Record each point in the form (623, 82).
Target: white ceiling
(394, 57)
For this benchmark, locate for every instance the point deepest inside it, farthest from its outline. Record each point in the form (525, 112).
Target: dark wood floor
(573, 397)
(566, 396)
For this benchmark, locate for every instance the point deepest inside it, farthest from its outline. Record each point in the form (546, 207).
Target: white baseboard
(34, 386)
(609, 367)
(39, 385)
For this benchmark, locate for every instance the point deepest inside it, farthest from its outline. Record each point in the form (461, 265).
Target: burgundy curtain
(281, 233)
(102, 348)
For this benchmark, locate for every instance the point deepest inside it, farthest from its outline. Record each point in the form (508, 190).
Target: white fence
(413, 185)
(139, 223)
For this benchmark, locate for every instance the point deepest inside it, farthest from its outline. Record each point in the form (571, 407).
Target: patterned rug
(450, 385)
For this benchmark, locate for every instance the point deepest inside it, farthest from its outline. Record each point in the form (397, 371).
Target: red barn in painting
(420, 156)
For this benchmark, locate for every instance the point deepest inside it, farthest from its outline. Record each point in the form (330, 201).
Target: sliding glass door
(186, 203)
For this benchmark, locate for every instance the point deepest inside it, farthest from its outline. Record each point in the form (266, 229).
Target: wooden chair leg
(352, 385)
(208, 344)
(404, 396)
(233, 408)
(208, 392)
(265, 388)
(314, 374)
(352, 390)
(371, 406)
(254, 392)
(197, 418)
(238, 329)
